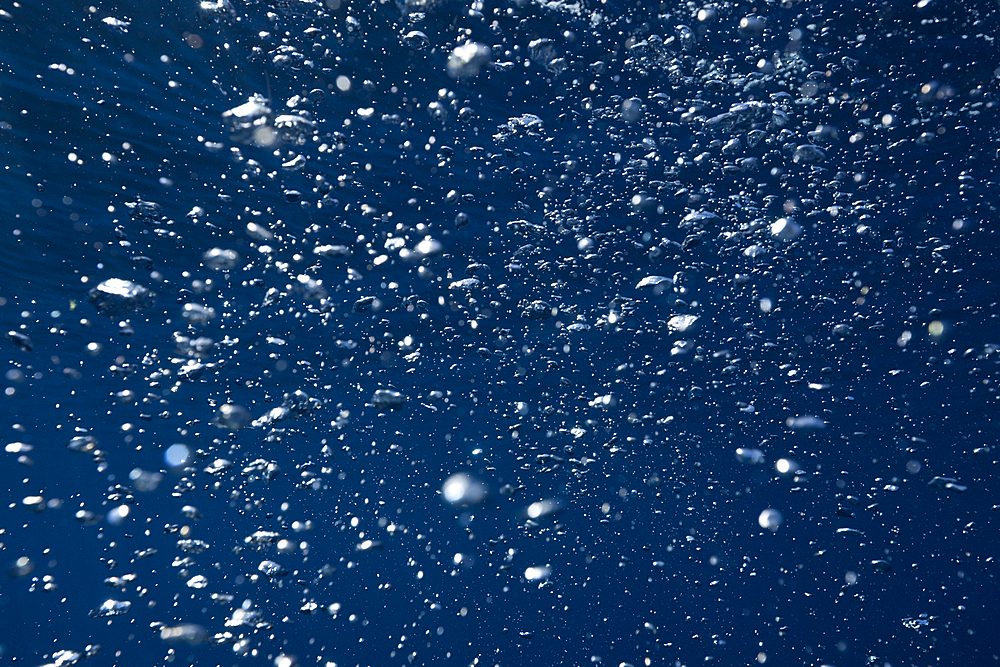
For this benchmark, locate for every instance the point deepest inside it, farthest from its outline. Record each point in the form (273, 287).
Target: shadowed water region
(499, 332)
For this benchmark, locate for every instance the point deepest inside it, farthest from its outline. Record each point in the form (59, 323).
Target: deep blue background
(657, 553)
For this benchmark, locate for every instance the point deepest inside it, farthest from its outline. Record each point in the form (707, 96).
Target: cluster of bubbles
(450, 331)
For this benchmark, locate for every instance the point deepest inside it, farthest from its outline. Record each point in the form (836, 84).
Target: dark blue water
(440, 269)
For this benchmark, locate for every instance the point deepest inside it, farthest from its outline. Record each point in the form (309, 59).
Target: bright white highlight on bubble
(118, 515)
(543, 508)
(537, 573)
(785, 466)
(785, 229)
(681, 323)
(463, 489)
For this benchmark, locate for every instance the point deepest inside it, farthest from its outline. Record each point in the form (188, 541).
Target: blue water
(857, 352)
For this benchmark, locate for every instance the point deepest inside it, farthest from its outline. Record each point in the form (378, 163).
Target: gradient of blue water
(58, 226)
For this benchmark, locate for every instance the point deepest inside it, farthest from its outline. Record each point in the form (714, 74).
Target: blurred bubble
(604, 402)
(770, 519)
(631, 110)
(259, 232)
(387, 399)
(785, 229)
(21, 567)
(34, 503)
(468, 59)
(232, 417)
(808, 154)
(543, 508)
(805, 423)
(937, 329)
(116, 297)
(245, 120)
(752, 26)
(220, 259)
(463, 489)
(426, 248)
(751, 456)
(144, 480)
(785, 466)
(463, 560)
(118, 515)
(188, 633)
(194, 313)
(177, 456)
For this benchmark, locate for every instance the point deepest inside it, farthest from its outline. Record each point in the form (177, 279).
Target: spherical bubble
(770, 519)
(287, 546)
(177, 456)
(145, 480)
(232, 417)
(785, 466)
(631, 110)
